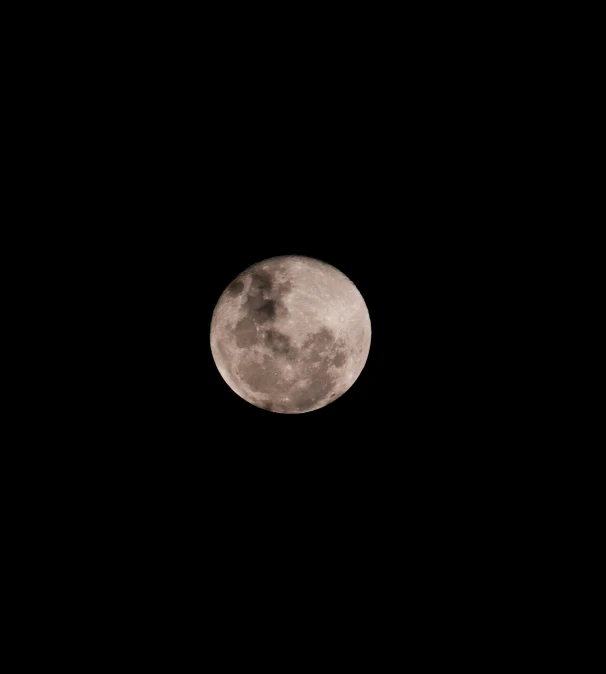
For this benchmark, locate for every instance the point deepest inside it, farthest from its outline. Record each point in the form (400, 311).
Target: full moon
(290, 334)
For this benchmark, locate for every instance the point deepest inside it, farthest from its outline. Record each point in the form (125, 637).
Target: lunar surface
(290, 334)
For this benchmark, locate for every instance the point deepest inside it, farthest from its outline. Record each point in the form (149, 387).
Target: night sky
(395, 171)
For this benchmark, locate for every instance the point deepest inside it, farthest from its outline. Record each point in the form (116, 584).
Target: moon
(290, 334)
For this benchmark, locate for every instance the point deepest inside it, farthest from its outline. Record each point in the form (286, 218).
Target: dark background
(378, 172)
(383, 180)
(388, 162)
(392, 155)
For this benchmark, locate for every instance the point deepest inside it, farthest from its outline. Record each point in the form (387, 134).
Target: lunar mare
(290, 334)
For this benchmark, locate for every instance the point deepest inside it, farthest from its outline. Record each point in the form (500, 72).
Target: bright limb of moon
(290, 334)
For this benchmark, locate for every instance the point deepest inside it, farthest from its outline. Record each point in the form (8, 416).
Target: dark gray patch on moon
(339, 359)
(259, 308)
(266, 311)
(316, 344)
(321, 387)
(263, 377)
(318, 362)
(280, 344)
(253, 303)
(314, 357)
(263, 302)
(321, 340)
(235, 288)
(317, 391)
(245, 333)
(284, 288)
(262, 281)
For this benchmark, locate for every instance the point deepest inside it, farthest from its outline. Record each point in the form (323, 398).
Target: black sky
(381, 169)
(393, 169)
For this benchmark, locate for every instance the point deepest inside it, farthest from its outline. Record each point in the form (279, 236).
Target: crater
(235, 288)
(339, 359)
